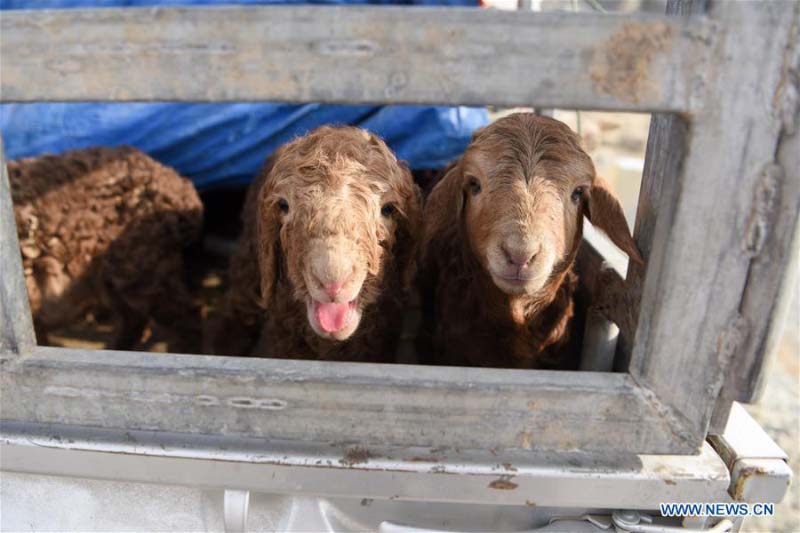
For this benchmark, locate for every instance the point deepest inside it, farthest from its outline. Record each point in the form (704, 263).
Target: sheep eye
(577, 194)
(388, 210)
(283, 205)
(474, 186)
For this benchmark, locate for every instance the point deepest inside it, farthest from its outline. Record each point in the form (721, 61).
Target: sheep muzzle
(335, 272)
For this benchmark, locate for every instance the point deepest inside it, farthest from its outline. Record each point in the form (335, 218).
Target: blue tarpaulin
(225, 143)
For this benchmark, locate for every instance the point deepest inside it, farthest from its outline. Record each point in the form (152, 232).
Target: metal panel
(355, 55)
(610, 480)
(759, 472)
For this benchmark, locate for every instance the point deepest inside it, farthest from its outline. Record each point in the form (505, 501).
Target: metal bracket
(236, 504)
(759, 472)
(636, 522)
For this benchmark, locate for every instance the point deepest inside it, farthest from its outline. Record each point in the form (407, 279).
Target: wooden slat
(693, 323)
(355, 54)
(465, 408)
(16, 327)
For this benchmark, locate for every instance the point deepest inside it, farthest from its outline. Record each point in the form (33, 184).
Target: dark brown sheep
(327, 253)
(105, 229)
(502, 231)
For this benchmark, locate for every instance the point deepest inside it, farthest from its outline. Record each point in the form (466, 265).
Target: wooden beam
(350, 54)
(16, 327)
(323, 402)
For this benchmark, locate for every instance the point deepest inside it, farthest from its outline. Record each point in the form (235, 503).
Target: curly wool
(105, 228)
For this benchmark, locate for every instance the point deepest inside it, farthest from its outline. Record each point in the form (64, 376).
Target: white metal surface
(420, 474)
(50, 503)
(236, 509)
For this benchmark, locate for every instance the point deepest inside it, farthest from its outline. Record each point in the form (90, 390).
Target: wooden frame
(713, 230)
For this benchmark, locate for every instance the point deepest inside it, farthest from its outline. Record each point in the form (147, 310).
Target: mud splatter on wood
(355, 455)
(621, 67)
(503, 483)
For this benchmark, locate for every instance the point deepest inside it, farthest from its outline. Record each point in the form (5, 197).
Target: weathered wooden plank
(693, 322)
(16, 327)
(666, 149)
(398, 405)
(355, 55)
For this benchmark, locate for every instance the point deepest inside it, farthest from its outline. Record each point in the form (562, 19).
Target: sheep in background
(327, 253)
(502, 230)
(105, 229)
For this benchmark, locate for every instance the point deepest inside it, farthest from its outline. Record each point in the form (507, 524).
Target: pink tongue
(332, 316)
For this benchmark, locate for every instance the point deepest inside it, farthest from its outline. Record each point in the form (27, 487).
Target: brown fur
(105, 228)
(336, 181)
(527, 169)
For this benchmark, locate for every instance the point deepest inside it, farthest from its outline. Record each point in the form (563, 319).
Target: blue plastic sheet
(225, 144)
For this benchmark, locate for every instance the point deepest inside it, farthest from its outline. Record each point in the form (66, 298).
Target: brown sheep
(327, 252)
(502, 230)
(104, 229)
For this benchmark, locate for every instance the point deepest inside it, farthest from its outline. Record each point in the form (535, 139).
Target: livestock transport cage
(349, 445)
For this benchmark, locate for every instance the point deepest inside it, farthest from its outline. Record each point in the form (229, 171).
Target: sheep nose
(519, 258)
(333, 289)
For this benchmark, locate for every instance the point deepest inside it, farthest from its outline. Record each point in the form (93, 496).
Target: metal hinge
(618, 521)
(636, 522)
(235, 506)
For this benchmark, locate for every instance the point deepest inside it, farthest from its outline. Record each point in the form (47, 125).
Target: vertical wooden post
(775, 225)
(714, 222)
(16, 326)
(666, 149)
(770, 275)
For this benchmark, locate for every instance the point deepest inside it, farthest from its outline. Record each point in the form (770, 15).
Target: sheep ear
(409, 235)
(444, 206)
(267, 237)
(267, 240)
(605, 213)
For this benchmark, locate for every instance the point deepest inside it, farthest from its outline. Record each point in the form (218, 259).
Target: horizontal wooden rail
(355, 55)
(323, 402)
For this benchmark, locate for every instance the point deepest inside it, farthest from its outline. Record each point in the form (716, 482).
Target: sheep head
(518, 196)
(338, 220)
